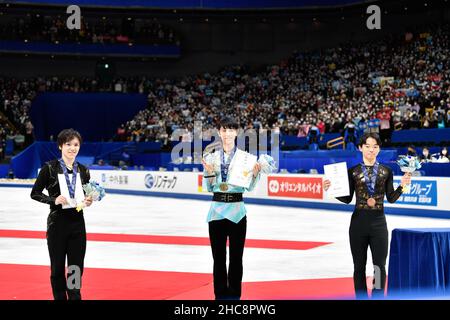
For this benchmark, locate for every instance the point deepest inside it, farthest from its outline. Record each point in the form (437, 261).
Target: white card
(241, 169)
(64, 189)
(338, 175)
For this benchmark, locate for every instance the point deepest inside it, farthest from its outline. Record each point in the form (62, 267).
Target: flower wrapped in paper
(268, 164)
(94, 191)
(408, 163)
(210, 160)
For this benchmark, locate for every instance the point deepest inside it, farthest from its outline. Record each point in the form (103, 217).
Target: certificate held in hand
(64, 189)
(241, 169)
(338, 176)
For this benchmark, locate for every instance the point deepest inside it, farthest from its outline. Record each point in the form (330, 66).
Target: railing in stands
(398, 126)
(336, 142)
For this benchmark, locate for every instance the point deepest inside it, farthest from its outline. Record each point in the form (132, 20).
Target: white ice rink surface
(144, 215)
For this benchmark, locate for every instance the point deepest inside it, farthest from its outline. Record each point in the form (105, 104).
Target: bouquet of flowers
(209, 159)
(267, 163)
(408, 164)
(94, 191)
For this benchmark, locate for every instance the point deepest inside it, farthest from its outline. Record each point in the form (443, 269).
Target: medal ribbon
(225, 165)
(70, 185)
(370, 183)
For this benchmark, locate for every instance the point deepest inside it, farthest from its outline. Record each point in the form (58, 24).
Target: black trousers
(368, 228)
(66, 236)
(227, 285)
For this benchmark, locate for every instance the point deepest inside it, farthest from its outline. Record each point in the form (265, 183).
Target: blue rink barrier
(4, 169)
(27, 163)
(148, 155)
(441, 214)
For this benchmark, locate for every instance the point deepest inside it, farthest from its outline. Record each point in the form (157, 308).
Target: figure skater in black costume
(370, 181)
(66, 232)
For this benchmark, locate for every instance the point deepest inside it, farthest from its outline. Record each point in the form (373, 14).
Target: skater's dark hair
(68, 135)
(366, 136)
(228, 123)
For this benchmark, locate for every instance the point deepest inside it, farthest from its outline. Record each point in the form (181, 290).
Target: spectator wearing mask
(362, 126)
(425, 156)
(443, 156)
(396, 117)
(29, 136)
(385, 126)
(374, 125)
(321, 126)
(440, 121)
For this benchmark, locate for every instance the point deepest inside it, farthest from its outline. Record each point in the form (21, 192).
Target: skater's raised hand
(88, 201)
(406, 179)
(208, 167)
(326, 184)
(256, 169)
(61, 200)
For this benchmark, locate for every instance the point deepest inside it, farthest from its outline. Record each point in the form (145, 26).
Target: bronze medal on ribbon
(371, 202)
(223, 187)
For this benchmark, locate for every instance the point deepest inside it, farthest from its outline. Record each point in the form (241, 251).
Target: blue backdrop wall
(95, 115)
(26, 164)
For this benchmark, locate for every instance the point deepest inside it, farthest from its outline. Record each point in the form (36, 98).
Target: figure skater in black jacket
(370, 181)
(66, 232)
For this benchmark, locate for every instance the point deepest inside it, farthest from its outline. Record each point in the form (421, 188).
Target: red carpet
(193, 241)
(29, 282)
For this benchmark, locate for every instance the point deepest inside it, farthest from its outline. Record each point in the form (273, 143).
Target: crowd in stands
(401, 82)
(397, 83)
(441, 156)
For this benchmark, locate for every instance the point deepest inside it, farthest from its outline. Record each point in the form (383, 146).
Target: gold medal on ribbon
(223, 186)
